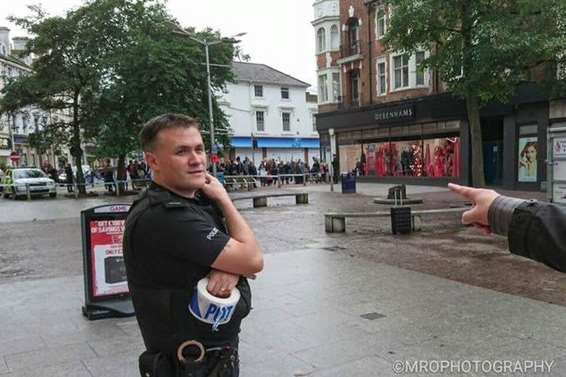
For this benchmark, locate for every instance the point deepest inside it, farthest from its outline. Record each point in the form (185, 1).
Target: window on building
(334, 37)
(380, 23)
(286, 118)
(322, 89)
(25, 121)
(313, 119)
(355, 87)
(381, 78)
(336, 87)
(258, 90)
(401, 71)
(259, 121)
(284, 93)
(3, 51)
(321, 39)
(420, 72)
(354, 36)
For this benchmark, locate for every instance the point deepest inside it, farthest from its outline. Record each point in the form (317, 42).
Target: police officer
(535, 230)
(174, 237)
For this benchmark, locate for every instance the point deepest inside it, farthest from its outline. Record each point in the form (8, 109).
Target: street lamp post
(206, 45)
(210, 112)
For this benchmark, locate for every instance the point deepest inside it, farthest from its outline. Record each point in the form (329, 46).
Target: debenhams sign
(395, 114)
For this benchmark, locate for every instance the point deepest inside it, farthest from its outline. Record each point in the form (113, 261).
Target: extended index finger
(467, 192)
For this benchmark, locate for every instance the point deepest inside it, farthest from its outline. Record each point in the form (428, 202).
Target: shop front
(426, 140)
(417, 141)
(278, 148)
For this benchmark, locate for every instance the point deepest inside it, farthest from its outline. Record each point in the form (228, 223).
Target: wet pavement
(446, 292)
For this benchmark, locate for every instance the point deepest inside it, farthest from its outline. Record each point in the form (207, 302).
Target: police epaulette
(175, 204)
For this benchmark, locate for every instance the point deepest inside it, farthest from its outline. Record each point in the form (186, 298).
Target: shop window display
(416, 158)
(350, 157)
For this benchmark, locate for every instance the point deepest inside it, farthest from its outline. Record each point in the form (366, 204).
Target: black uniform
(170, 243)
(535, 230)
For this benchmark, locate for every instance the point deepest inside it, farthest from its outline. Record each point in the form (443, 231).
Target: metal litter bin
(348, 183)
(400, 216)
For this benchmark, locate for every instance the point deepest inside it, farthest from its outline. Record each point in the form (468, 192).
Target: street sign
(14, 156)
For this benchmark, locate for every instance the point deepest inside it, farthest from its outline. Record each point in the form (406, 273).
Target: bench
(335, 222)
(237, 182)
(261, 200)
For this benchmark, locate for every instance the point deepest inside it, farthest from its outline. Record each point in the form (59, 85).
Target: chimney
(19, 48)
(20, 43)
(4, 41)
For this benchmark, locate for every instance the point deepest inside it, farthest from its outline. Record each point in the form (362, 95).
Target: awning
(241, 142)
(288, 143)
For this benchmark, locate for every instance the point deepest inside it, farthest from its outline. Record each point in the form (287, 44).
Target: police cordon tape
(211, 309)
(119, 186)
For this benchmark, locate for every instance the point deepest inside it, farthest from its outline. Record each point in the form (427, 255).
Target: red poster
(108, 268)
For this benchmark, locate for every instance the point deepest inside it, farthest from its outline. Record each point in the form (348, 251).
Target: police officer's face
(179, 160)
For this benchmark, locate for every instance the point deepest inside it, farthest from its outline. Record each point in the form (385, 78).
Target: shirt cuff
(501, 212)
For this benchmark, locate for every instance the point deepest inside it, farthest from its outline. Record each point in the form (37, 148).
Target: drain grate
(372, 316)
(333, 248)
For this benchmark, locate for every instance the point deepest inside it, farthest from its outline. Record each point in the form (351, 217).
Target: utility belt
(192, 360)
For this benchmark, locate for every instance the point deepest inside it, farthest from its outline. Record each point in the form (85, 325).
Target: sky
(279, 33)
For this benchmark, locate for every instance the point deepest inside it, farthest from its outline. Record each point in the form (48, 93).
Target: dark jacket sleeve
(538, 231)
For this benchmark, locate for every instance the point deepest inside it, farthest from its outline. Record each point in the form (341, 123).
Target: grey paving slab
(307, 321)
(370, 366)
(49, 356)
(3, 366)
(123, 365)
(64, 369)
(20, 345)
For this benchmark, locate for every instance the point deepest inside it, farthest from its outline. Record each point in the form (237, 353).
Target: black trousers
(217, 363)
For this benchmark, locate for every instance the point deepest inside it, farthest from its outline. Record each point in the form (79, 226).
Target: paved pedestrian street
(443, 301)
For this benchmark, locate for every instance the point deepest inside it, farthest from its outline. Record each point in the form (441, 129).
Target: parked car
(87, 171)
(17, 182)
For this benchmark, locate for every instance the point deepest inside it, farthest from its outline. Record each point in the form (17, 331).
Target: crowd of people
(269, 170)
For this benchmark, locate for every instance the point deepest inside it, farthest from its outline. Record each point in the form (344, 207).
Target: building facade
(400, 122)
(270, 114)
(16, 127)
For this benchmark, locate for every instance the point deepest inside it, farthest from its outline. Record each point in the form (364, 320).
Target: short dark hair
(152, 127)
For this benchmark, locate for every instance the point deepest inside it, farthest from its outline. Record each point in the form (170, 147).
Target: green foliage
(112, 65)
(481, 48)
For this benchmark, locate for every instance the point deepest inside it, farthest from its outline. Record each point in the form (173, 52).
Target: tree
(482, 49)
(114, 64)
(66, 73)
(155, 72)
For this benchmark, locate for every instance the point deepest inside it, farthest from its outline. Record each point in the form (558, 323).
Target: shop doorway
(492, 137)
